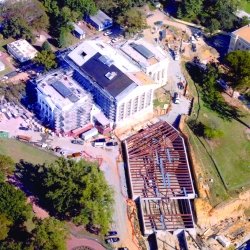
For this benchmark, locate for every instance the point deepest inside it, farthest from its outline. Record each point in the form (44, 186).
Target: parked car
(112, 240)
(111, 233)
(222, 84)
(122, 248)
(180, 85)
(23, 128)
(116, 39)
(80, 142)
(107, 33)
(111, 144)
(176, 98)
(194, 47)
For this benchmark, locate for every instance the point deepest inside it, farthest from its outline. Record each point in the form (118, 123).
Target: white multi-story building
(22, 50)
(152, 60)
(240, 39)
(62, 102)
(118, 86)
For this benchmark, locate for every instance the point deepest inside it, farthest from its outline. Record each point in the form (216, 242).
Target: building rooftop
(61, 90)
(143, 53)
(101, 69)
(100, 18)
(23, 48)
(244, 33)
(78, 29)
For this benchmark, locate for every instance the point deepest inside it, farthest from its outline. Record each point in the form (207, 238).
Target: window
(142, 100)
(128, 108)
(135, 106)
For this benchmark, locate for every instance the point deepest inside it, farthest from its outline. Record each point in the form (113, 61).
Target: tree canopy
(13, 204)
(7, 165)
(71, 189)
(239, 62)
(213, 14)
(50, 234)
(133, 20)
(21, 18)
(47, 59)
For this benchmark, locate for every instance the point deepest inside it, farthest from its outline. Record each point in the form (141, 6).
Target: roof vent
(111, 75)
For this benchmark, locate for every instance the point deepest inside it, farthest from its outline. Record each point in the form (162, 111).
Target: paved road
(73, 242)
(173, 116)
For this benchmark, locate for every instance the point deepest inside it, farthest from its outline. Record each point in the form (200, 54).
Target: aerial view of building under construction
(160, 178)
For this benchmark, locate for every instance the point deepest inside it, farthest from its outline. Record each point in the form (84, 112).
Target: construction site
(160, 179)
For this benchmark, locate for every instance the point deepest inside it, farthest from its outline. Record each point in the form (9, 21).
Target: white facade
(62, 102)
(240, 39)
(131, 101)
(155, 66)
(22, 50)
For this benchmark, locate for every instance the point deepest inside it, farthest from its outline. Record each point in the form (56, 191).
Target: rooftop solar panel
(73, 98)
(142, 50)
(61, 89)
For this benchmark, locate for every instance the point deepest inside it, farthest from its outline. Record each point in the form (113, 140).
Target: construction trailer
(89, 134)
(160, 178)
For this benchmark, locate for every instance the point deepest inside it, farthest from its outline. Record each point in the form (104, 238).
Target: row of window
(135, 105)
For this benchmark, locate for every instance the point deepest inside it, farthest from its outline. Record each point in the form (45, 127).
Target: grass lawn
(225, 160)
(246, 5)
(19, 150)
(3, 42)
(5, 71)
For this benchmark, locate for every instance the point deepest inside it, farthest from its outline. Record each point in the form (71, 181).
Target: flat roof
(23, 48)
(158, 163)
(143, 53)
(100, 18)
(61, 90)
(78, 29)
(107, 75)
(64, 91)
(243, 33)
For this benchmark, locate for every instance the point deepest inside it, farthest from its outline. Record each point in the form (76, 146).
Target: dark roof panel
(142, 50)
(61, 89)
(107, 75)
(64, 91)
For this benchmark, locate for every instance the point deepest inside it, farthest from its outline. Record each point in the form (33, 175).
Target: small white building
(22, 50)
(2, 66)
(240, 39)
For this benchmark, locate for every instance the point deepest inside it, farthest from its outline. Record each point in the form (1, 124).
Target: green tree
(5, 225)
(83, 6)
(47, 59)
(213, 25)
(31, 13)
(211, 133)
(239, 62)
(64, 37)
(17, 28)
(50, 234)
(11, 245)
(76, 190)
(133, 20)
(46, 46)
(7, 165)
(13, 204)
(190, 8)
